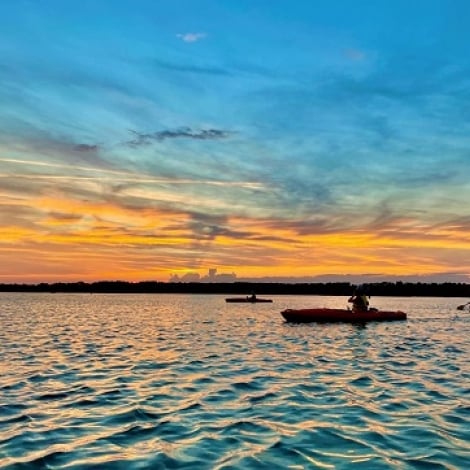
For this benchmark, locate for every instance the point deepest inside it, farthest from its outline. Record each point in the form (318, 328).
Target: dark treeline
(402, 289)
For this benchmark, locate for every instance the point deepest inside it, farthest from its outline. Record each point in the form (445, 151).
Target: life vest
(365, 300)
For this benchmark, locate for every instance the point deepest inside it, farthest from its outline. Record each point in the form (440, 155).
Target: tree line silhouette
(400, 289)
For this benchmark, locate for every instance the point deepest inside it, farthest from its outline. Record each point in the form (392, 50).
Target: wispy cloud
(192, 68)
(183, 132)
(355, 55)
(135, 180)
(85, 148)
(191, 37)
(32, 140)
(97, 174)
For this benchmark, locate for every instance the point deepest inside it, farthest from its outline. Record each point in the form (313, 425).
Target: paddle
(462, 307)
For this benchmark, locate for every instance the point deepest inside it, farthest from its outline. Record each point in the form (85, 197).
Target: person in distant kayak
(359, 300)
(252, 296)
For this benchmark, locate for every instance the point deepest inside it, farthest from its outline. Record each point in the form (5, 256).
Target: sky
(300, 140)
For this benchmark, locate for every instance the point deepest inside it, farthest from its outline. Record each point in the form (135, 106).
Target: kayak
(247, 300)
(327, 315)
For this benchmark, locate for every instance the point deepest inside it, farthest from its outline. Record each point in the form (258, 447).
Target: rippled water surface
(188, 381)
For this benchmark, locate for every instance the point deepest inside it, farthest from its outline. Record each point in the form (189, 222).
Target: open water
(188, 381)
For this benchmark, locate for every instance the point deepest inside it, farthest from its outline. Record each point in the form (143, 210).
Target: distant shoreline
(397, 289)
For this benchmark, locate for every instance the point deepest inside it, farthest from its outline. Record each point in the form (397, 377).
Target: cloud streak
(85, 148)
(191, 37)
(191, 68)
(113, 176)
(180, 133)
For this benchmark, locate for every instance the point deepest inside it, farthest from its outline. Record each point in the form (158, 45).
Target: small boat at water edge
(330, 315)
(250, 300)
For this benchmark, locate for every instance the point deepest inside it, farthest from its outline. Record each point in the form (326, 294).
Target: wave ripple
(141, 381)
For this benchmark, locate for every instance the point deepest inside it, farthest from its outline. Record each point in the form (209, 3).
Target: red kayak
(327, 315)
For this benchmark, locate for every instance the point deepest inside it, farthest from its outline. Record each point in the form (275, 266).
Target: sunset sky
(270, 139)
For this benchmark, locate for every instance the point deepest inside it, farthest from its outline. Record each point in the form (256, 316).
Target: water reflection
(155, 381)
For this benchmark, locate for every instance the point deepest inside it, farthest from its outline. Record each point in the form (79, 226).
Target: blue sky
(265, 138)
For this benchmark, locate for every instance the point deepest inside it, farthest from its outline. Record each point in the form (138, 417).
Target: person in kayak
(252, 297)
(359, 300)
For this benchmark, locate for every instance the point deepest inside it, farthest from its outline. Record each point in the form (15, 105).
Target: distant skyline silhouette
(214, 276)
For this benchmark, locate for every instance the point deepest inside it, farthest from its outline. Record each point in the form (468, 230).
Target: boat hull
(247, 301)
(328, 315)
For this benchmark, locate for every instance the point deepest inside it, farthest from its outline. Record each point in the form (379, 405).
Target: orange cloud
(77, 239)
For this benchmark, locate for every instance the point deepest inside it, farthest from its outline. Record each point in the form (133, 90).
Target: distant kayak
(327, 315)
(248, 300)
